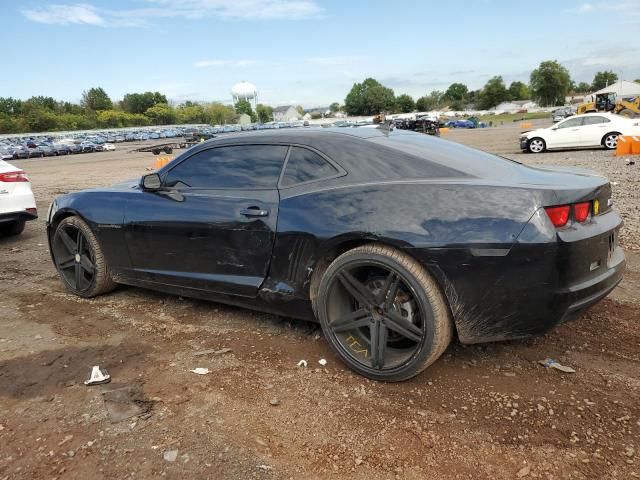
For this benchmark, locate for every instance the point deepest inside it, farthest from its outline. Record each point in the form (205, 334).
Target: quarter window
(304, 165)
(241, 166)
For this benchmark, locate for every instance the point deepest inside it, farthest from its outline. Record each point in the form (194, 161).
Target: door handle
(254, 212)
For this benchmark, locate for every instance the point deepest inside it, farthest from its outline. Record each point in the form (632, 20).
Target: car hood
(126, 184)
(537, 131)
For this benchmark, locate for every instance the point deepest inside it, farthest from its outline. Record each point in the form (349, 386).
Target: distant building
(286, 113)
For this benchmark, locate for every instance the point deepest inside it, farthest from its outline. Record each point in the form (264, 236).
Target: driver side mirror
(151, 182)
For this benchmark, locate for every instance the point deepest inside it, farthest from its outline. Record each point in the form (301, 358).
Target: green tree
(219, 114)
(457, 96)
(583, 87)
(190, 112)
(369, 98)
(300, 110)
(11, 106)
(243, 106)
(637, 80)
(405, 103)
(493, 93)
(433, 101)
(47, 103)
(519, 91)
(39, 119)
(334, 107)
(264, 113)
(141, 102)
(603, 79)
(96, 99)
(161, 114)
(550, 83)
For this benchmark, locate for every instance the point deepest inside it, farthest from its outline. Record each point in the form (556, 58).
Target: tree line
(549, 85)
(97, 110)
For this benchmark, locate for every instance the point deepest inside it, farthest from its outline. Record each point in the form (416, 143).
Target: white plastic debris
(200, 371)
(170, 455)
(322, 362)
(98, 376)
(302, 363)
(551, 363)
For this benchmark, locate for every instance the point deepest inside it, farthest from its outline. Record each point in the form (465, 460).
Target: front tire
(382, 313)
(536, 145)
(12, 228)
(610, 140)
(628, 113)
(79, 259)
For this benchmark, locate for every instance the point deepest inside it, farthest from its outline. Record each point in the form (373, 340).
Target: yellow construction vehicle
(607, 102)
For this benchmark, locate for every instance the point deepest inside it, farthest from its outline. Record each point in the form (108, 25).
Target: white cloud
(82, 13)
(65, 14)
(225, 63)
(585, 8)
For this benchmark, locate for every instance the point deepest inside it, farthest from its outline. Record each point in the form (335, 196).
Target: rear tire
(12, 228)
(536, 145)
(79, 259)
(395, 325)
(610, 140)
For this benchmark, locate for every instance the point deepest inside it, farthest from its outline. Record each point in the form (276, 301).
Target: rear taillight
(17, 176)
(581, 211)
(558, 215)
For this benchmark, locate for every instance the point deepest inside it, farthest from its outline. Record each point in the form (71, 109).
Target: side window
(595, 120)
(304, 165)
(241, 166)
(572, 122)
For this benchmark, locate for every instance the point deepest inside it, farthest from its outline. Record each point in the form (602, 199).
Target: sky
(307, 52)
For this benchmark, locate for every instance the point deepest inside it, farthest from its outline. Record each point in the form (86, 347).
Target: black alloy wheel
(79, 259)
(382, 313)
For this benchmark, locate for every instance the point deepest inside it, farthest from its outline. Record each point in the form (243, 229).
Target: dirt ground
(481, 412)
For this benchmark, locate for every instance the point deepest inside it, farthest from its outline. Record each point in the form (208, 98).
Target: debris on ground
(274, 402)
(523, 472)
(200, 370)
(97, 376)
(125, 402)
(551, 363)
(170, 455)
(212, 351)
(322, 362)
(302, 363)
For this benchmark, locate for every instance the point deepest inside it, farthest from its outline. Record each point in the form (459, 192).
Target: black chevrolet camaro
(394, 241)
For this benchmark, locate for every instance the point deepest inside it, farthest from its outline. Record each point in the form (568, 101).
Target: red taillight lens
(581, 211)
(559, 215)
(17, 176)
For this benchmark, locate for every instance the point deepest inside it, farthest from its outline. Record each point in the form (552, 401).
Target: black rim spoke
(77, 276)
(67, 262)
(86, 264)
(402, 326)
(378, 344)
(357, 290)
(80, 242)
(67, 241)
(351, 321)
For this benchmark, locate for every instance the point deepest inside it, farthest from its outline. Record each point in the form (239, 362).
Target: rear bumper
(13, 216)
(582, 295)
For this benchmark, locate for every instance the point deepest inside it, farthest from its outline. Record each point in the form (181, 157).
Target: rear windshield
(451, 154)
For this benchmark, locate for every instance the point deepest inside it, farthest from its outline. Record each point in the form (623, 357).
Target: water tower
(245, 91)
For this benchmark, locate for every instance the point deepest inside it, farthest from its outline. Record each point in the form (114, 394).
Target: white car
(588, 130)
(108, 147)
(17, 204)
